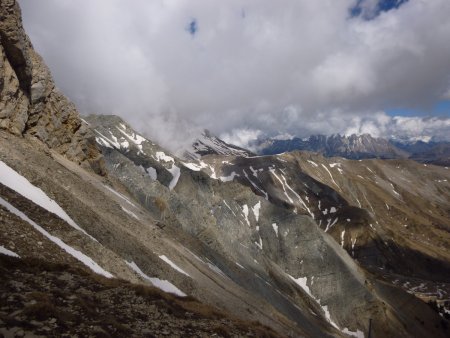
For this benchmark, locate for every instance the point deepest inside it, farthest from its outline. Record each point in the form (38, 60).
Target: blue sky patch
(192, 27)
(441, 108)
(382, 6)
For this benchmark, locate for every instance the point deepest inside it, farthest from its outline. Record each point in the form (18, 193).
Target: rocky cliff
(30, 104)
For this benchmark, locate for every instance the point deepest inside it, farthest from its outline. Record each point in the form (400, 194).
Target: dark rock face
(30, 104)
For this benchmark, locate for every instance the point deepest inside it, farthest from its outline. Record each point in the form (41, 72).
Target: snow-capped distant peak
(208, 144)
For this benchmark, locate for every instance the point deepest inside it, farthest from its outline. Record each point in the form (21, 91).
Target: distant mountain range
(360, 147)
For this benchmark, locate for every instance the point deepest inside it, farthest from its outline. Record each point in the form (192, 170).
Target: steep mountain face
(29, 102)
(208, 144)
(391, 216)
(352, 147)
(215, 199)
(54, 212)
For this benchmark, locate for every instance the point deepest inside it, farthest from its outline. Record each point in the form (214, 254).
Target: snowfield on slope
(86, 260)
(161, 284)
(7, 252)
(13, 180)
(173, 265)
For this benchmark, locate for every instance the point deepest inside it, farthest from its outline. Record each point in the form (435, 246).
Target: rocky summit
(104, 233)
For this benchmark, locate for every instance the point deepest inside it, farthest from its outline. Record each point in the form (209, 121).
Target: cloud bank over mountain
(295, 66)
(378, 125)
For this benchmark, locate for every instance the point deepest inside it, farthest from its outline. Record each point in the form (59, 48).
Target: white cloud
(259, 64)
(241, 137)
(378, 125)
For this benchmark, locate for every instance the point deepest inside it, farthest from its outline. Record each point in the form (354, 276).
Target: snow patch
(323, 165)
(245, 212)
(228, 178)
(256, 210)
(394, 191)
(330, 225)
(161, 156)
(173, 265)
(357, 334)
(239, 265)
(8, 252)
(112, 142)
(256, 186)
(194, 166)
(225, 202)
(86, 260)
(119, 195)
(275, 228)
(332, 165)
(135, 138)
(328, 316)
(285, 185)
(254, 172)
(161, 284)
(259, 244)
(12, 179)
(103, 142)
(132, 214)
(175, 171)
(302, 282)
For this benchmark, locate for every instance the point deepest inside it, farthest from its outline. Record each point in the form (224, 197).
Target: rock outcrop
(30, 104)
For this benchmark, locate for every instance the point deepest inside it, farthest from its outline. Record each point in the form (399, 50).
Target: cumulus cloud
(291, 66)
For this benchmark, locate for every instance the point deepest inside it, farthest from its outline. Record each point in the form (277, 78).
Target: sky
(253, 68)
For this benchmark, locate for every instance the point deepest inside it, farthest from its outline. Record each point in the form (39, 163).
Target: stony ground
(57, 300)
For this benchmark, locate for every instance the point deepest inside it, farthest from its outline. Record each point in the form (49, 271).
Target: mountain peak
(209, 144)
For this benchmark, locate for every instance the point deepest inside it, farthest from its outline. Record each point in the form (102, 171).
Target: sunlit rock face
(30, 104)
